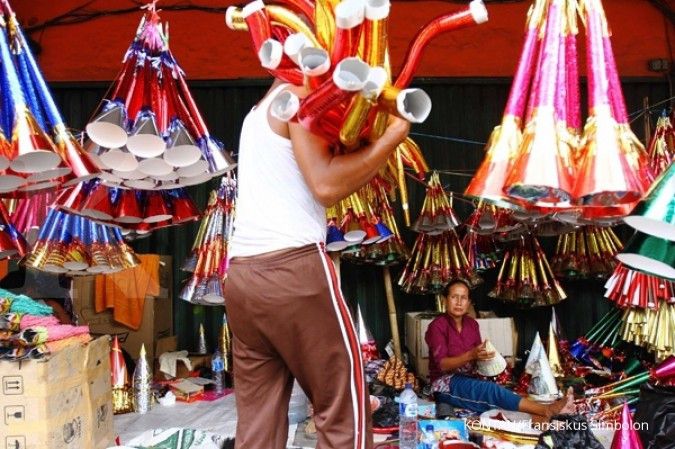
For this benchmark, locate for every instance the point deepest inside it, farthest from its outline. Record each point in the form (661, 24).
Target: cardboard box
(157, 314)
(62, 403)
(500, 331)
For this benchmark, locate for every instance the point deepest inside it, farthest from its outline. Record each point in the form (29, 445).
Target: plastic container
(217, 368)
(407, 418)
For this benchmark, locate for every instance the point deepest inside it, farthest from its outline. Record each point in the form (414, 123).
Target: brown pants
(289, 320)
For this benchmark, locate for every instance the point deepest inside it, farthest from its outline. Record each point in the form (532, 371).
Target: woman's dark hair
(455, 281)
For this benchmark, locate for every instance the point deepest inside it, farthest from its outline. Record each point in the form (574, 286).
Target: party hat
(661, 149)
(655, 214)
(28, 214)
(148, 131)
(553, 353)
(118, 368)
(665, 370)
(141, 384)
(208, 258)
(613, 167)
(629, 287)
(542, 167)
(490, 178)
(12, 242)
(42, 153)
(652, 329)
(649, 254)
(122, 400)
(202, 348)
(525, 277)
(494, 366)
(586, 252)
(542, 384)
(76, 245)
(626, 436)
(368, 346)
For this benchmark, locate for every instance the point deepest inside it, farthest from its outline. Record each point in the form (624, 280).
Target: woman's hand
(480, 353)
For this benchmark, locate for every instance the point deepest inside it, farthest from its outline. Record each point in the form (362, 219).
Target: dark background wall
(463, 108)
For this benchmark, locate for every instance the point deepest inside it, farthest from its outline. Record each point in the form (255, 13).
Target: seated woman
(454, 346)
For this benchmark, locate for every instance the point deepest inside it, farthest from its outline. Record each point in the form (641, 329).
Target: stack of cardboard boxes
(62, 403)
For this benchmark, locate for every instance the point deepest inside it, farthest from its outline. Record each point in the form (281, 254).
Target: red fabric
(444, 340)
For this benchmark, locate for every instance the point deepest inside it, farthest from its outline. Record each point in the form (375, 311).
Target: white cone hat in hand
(491, 367)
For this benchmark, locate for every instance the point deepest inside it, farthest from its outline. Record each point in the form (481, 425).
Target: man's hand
(397, 129)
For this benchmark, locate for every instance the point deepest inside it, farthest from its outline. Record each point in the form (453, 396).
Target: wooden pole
(393, 319)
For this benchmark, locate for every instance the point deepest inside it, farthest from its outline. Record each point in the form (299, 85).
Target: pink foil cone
(626, 437)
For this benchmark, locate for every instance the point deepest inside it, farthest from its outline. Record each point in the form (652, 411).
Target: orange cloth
(125, 292)
(4, 268)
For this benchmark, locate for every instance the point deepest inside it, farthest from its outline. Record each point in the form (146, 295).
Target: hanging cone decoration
(436, 260)
(586, 252)
(503, 144)
(437, 214)
(132, 210)
(141, 384)
(492, 367)
(121, 388)
(652, 329)
(208, 258)
(148, 132)
(40, 154)
(626, 436)
(542, 385)
(226, 344)
(480, 250)
(363, 227)
(12, 242)
(525, 277)
(661, 148)
(632, 288)
(407, 155)
(542, 170)
(75, 245)
(613, 167)
(28, 214)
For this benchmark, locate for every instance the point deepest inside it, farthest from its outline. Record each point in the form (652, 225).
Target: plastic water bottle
(407, 418)
(428, 438)
(217, 368)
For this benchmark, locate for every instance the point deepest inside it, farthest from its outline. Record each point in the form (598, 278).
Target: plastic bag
(655, 415)
(574, 433)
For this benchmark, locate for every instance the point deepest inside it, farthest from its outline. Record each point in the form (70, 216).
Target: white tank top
(275, 209)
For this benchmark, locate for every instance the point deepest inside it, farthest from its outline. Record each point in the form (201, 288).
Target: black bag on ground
(655, 417)
(574, 433)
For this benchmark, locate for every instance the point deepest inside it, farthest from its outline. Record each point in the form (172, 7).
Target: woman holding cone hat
(455, 346)
(287, 315)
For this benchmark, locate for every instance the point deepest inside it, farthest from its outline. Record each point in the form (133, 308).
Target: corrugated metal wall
(462, 108)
